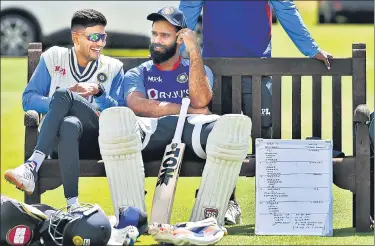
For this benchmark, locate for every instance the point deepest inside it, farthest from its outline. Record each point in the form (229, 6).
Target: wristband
(101, 91)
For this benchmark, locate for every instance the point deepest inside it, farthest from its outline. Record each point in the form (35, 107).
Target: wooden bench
(350, 173)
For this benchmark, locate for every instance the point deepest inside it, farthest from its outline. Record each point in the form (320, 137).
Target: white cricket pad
(120, 147)
(227, 147)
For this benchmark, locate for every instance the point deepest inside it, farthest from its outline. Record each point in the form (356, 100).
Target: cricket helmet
(19, 223)
(86, 225)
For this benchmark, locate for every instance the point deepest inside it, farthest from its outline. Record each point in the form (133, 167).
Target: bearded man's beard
(163, 54)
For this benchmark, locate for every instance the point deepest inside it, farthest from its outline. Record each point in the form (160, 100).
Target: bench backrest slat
(317, 106)
(336, 113)
(34, 52)
(358, 73)
(276, 106)
(216, 98)
(256, 109)
(296, 107)
(236, 90)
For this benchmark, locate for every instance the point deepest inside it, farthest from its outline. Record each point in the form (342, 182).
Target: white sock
(38, 158)
(71, 200)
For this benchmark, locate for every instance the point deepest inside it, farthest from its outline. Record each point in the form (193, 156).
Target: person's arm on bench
(291, 20)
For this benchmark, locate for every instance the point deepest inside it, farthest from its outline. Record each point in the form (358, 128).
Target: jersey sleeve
(35, 96)
(133, 81)
(291, 20)
(191, 11)
(115, 97)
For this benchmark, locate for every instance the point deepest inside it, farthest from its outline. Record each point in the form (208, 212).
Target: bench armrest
(362, 167)
(31, 119)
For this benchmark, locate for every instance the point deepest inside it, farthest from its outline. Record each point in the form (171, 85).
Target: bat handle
(181, 120)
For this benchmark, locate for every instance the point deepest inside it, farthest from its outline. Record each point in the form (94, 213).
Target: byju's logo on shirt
(154, 79)
(155, 94)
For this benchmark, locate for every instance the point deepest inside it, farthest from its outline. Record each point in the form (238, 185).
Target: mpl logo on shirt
(60, 70)
(154, 79)
(155, 94)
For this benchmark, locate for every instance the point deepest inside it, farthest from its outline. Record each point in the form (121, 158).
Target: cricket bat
(169, 171)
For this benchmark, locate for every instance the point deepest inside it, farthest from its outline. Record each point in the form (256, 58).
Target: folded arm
(137, 101)
(142, 106)
(200, 81)
(35, 96)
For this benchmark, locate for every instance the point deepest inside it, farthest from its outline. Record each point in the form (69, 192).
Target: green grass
(334, 39)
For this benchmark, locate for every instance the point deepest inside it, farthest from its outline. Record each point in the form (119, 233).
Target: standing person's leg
(266, 105)
(68, 130)
(266, 97)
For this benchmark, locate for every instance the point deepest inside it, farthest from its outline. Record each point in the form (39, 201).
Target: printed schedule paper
(293, 187)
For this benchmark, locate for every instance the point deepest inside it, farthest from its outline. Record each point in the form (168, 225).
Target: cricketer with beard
(154, 94)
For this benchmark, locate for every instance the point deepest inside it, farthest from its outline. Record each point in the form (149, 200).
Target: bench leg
(362, 172)
(33, 198)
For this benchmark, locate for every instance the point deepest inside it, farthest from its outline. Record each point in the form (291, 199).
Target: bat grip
(181, 120)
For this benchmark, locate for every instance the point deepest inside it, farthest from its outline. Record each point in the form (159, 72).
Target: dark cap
(171, 14)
